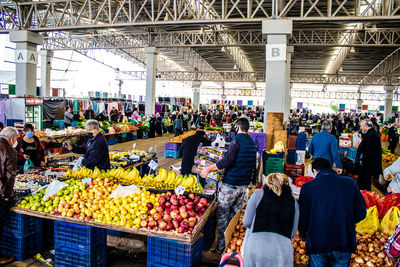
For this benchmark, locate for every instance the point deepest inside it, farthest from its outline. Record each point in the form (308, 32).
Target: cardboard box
(231, 228)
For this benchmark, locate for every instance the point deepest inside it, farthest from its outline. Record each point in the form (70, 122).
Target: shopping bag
(219, 141)
(390, 221)
(279, 146)
(356, 140)
(28, 164)
(77, 164)
(310, 173)
(370, 224)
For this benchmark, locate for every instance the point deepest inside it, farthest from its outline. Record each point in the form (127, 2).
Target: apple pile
(175, 212)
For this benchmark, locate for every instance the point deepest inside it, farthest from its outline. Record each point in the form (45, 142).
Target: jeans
(332, 258)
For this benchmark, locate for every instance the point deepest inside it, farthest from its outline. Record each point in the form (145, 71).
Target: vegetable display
(370, 251)
(302, 180)
(299, 246)
(382, 203)
(237, 236)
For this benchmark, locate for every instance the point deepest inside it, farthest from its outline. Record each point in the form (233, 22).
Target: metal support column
(26, 59)
(388, 102)
(151, 71)
(45, 69)
(196, 95)
(276, 90)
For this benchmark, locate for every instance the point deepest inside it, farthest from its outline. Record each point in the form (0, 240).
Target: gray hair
(368, 122)
(326, 125)
(9, 132)
(93, 123)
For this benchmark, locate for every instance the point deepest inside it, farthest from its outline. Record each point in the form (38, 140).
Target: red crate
(293, 170)
(292, 142)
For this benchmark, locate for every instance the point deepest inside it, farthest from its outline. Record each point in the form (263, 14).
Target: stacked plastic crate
(171, 150)
(79, 245)
(273, 163)
(21, 237)
(294, 165)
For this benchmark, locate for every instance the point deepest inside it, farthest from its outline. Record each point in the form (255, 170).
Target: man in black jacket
(188, 150)
(369, 156)
(96, 149)
(393, 138)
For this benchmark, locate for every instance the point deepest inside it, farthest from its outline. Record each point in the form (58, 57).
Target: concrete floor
(136, 257)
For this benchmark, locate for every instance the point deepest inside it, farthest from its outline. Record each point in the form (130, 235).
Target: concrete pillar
(196, 95)
(26, 59)
(287, 98)
(276, 89)
(45, 69)
(151, 71)
(388, 102)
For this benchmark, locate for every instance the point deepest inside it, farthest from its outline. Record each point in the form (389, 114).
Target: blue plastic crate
(171, 154)
(112, 141)
(301, 141)
(67, 257)
(352, 153)
(114, 233)
(19, 225)
(172, 253)
(343, 150)
(78, 237)
(23, 247)
(48, 233)
(132, 137)
(209, 230)
(267, 155)
(291, 157)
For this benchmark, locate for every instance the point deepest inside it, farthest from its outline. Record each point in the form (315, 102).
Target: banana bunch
(117, 154)
(79, 174)
(127, 177)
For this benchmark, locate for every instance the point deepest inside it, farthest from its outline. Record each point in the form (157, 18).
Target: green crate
(274, 165)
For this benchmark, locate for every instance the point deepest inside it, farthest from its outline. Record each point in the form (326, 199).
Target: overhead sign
(26, 56)
(276, 52)
(342, 107)
(33, 101)
(299, 104)
(364, 107)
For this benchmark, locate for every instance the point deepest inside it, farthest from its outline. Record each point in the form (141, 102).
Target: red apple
(167, 211)
(162, 225)
(197, 198)
(197, 208)
(149, 205)
(182, 202)
(192, 221)
(191, 213)
(174, 213)
(186, 201)
(167, 217)
(198, 217)
(152, 224)
(88, 218)
(184, 224)
(180, 197)
(191, 196)
(195, 202)
(169, 193)
(203, 209)
(174, 207)
(181, 230)
(159, 209)
(161, 199)
(76, 216)
(143, 216)
(203, 200)
(157, 216)
(167, 198)
(175, 224)
(184, 214)
(168, 204)
(178, 218)
(170, 226)
(189, 206)
(183, 208)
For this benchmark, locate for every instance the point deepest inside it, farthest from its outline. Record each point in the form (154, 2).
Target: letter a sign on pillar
(276, 52)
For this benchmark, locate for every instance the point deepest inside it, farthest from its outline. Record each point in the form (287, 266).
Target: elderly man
(89, 113)
(96, 149)
(324, 145)
(369, 155)
(8, 169)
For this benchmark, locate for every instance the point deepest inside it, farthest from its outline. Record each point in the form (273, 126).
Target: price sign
(180, 190)
(203, 162)
(153, 165)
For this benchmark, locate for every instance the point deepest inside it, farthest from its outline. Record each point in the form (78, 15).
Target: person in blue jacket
(96, 149)
(324, 145)
(330, 206)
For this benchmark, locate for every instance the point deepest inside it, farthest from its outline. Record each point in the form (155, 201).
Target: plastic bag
(28, 164)
(53, 188)
(390, 221)
(77, 164)
(219, 141)
(356, 140)
(310, 173)
(125, 191)
(279, 146)
(370, 224)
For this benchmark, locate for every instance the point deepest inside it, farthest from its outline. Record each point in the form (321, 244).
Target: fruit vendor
(330, 206)
(188, 150)
(8, 170)
(96, 149)
(30, 147)
(239, 164)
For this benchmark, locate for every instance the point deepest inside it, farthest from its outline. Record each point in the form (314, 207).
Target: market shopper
(68, 117)
(369, 156)
(159, 125)
(114, 115)
(239, 164)
(8, 170)
(330, 207)
(393, 138)
(135, 115)
(178, 125)
(96, 150)
(30, 147)
(324, 145)
(89, 113)
(188, 150)
(271, 219)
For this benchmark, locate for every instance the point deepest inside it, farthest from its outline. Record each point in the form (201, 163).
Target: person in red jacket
(30, 147)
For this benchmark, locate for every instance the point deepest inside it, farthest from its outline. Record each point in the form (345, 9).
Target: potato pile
(300, 256)
(370, 251)
(237, 237)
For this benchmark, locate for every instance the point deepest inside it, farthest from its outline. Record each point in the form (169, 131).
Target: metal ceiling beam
(306, 78)
(61, 15)
(317, 37)
(295, 93)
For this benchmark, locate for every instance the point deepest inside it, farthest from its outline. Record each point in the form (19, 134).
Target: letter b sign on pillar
(276, 52)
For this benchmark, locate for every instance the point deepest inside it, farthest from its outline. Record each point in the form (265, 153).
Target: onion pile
(237, 237)
(370, 251)
(300, 256)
